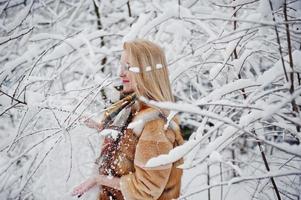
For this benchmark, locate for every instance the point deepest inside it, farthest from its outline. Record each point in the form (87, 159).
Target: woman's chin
(127, 90)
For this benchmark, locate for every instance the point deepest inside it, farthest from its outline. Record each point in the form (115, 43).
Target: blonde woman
(137, 132)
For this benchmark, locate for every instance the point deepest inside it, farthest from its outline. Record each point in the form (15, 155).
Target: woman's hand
(109, 181)
(91, 123)
(84, 187)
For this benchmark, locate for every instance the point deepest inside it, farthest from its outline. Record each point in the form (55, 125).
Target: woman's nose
(121, 72)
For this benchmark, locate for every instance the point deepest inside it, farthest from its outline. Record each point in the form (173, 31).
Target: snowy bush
(235, 71)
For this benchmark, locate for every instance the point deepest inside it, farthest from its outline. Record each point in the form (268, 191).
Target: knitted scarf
(116, 119)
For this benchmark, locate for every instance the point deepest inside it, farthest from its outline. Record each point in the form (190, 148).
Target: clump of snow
(296, 55)
(111, 132)
(173, 155)
(112, 93)
(230, 87)
(264, 9)
(142, 20)
(34, 98)
(21, 16)
(229, 49)
(169, 118)
(215, 157)
(214, 71)
(235, 167)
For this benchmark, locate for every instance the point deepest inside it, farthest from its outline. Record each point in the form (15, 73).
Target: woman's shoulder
(148, 117)
(150, 124)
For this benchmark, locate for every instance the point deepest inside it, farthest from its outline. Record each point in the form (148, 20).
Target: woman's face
(126, 78)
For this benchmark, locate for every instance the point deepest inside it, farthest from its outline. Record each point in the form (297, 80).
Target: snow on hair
(147, 68)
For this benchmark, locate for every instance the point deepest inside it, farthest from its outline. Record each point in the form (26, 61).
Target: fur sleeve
(148, 183)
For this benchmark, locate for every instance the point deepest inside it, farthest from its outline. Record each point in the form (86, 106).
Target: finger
(76, 191)
(83, 118)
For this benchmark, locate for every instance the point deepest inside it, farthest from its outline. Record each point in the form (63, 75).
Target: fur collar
(147, 115)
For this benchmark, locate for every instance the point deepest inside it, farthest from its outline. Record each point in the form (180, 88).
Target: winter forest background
(235, 70)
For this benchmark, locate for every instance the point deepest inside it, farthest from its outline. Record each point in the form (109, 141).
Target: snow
(238, 63)
(111, 132)
(215, 157)
(169, 118)
(230, 87)
(270, 75)
(131, 35)
(264, 8)
(271, 109)
(54, 58)
(236, 168)
(139, 121)
(13, 36)
(34, 98)
(296, 55)
(170, 10)
(20, 17)
(173, 155)
(229, 49)
(214, 71)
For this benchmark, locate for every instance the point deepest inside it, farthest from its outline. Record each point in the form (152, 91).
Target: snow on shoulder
(173, 155)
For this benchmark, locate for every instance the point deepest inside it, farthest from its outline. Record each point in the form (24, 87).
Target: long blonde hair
(153, 84)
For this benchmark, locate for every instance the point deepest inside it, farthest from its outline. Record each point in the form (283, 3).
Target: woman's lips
(125, 81)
